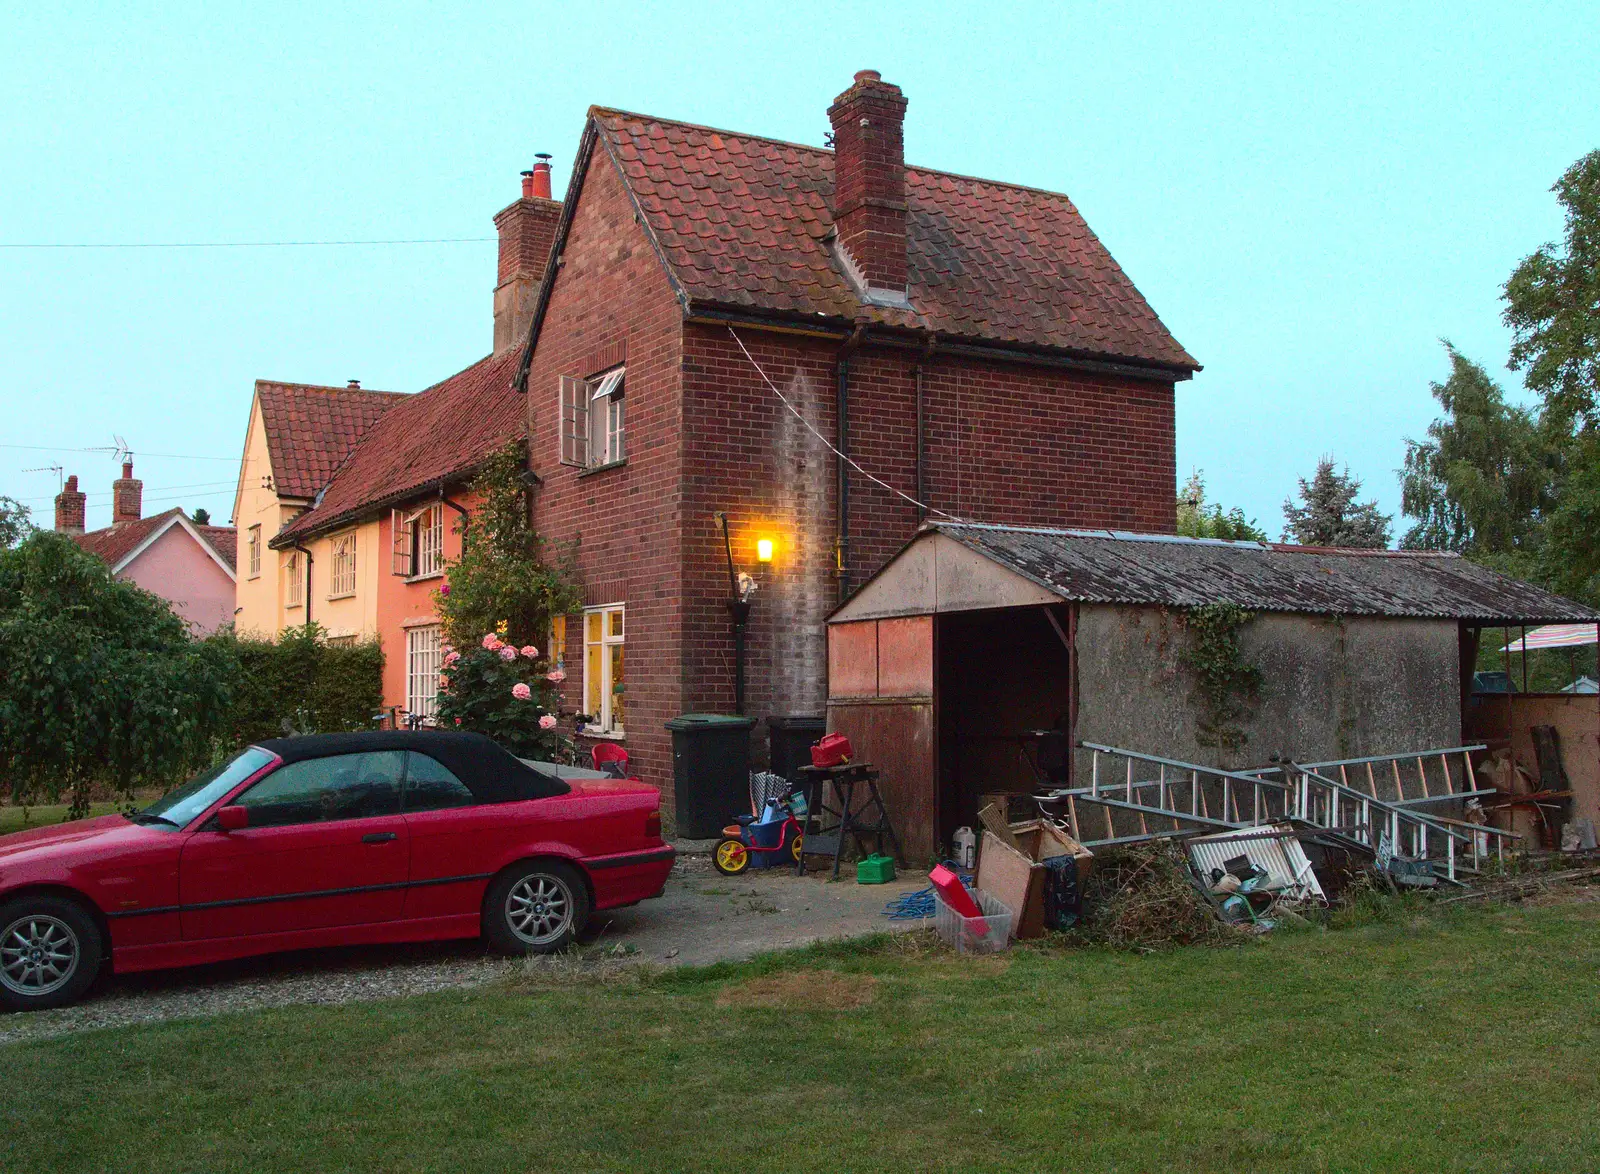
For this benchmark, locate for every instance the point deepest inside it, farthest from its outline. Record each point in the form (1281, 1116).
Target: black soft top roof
(492, 773)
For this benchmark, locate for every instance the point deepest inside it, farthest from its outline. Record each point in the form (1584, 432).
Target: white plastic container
(988, 934)
(965, 845)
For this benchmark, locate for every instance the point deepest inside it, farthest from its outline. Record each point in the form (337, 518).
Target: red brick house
(969, 344)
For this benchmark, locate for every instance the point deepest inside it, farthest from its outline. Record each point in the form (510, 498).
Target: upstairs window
(418, 542)
(342, 579)
(293, 588)
(253, 545)
(593, 422)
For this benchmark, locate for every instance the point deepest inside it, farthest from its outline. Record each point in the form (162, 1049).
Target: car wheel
(50, 952)
(536, 909)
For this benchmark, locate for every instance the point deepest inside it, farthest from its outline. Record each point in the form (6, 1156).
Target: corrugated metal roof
(1109, 566)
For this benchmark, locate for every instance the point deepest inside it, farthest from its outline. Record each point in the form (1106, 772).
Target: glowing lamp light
(764, 550)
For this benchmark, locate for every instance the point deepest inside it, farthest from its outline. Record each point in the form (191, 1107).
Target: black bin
(790, 739)
(710, 772)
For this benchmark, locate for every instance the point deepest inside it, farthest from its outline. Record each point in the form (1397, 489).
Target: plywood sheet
(897, 739)
(853, 659)
(905, 657)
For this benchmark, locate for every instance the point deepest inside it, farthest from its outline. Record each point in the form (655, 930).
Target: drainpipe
(466, 518)
(739, 609)
(307, 553)
(922, 487)
(841, 547)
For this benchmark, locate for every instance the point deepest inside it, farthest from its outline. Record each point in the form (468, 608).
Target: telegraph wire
(442, 240)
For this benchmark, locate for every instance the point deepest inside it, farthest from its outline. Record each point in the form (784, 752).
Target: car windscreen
(179, 807)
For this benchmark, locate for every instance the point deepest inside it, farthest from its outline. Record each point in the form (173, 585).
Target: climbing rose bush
(495, 689)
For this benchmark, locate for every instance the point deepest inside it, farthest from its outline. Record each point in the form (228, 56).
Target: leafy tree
(1486, 477)
(14, 522)
(104, 684)
(202, 517)
(1329, 514)
(1569, 557)
(502, 577)
(1552, 303)
(1197, 519)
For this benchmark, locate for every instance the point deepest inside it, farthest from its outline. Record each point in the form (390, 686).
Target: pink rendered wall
(177, 569)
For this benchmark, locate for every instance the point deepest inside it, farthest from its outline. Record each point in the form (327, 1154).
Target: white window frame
(604, 722)
(293, 591)
(253, 547)
(593, 433)
(423, 659)
(342, 561)
(418, 542)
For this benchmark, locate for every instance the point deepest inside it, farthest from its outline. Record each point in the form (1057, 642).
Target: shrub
(492, 687)
(301, 684)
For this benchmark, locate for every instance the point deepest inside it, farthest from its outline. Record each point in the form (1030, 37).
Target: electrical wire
(843, 457)
(442, 240)
(174, 456)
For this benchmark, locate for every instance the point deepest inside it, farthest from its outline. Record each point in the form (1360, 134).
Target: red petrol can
(831, 750)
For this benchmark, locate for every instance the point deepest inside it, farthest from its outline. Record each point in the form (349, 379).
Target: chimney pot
(70, 508)
(353, 385)
(527, 185)
(541, 177)
(868, 75)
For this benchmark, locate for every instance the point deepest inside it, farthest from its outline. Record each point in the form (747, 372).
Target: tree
(103, 682)
(1552, 303)
(1330, 514)
(1486, 477)
(1197, 519)
(14, 522)
(501, 582)
(202, 517)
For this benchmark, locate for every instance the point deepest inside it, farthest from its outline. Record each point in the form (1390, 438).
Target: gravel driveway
(702, 918)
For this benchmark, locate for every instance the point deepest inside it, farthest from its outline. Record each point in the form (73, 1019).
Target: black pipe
(841, 546)
(739, 609)
(309, 561)
(922, 487)
(466, 518)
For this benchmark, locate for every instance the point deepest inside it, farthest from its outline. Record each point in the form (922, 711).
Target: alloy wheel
(539, 908)
(38, 955)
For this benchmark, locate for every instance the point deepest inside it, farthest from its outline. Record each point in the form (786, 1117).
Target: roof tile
(311, 430)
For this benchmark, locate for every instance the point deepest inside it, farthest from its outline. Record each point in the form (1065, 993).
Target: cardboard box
(1016, 875)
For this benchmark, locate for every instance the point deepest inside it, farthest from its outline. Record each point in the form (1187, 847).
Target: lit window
(593, 419)
(342, 579)
(557, 647)
(602, 668)
(293, 588)
(254, 546)
(422, 671)
(418, 542)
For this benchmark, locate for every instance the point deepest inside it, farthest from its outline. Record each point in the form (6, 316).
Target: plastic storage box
(988, 934)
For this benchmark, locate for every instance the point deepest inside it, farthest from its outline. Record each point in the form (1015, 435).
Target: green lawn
(1469, 1042)
(16, 819)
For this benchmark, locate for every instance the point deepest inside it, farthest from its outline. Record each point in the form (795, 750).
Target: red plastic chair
(605, 752)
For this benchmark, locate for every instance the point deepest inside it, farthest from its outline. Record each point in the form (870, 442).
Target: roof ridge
(1108, 535)
(329, 388)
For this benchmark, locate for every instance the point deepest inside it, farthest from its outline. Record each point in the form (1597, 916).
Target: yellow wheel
(730, 857)
(797, 849)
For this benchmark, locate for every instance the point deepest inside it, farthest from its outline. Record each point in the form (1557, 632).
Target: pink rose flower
(529, 651)
(451, 657)
(521, 692)
(547, 722)
(507, 652)
(491, 642)
(556, 675)
(445, 590)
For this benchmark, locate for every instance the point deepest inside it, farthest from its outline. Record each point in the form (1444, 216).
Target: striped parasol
(1555, 636)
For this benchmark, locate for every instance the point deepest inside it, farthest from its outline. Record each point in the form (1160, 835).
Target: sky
(1311, 197)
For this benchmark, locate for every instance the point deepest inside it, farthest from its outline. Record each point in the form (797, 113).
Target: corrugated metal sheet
(1272, 848)
(1108, 566)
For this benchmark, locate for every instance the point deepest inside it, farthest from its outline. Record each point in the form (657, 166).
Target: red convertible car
(326, 840)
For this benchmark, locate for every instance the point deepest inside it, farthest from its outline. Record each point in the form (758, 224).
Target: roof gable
(745, 222)
(119, 545)
(310, 430)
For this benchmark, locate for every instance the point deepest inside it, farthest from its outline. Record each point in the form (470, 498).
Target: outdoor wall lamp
(764, 550)
(740, 589)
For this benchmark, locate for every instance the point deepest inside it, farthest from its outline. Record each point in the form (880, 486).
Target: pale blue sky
(1309, 196)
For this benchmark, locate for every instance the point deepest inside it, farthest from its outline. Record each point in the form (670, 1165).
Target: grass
(1464, 1041)
(17, 819)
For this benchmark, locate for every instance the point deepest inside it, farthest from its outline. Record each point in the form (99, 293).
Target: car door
(326, 845)
(456, 843)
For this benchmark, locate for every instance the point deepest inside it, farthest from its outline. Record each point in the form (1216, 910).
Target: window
(593, 425)
(318, 790)
(432, 786)
(254, 546)
(341, 641)
(293, 588)
(342, 579)
(602, 668)
(418, 542)
(557, 646)
(422, 671)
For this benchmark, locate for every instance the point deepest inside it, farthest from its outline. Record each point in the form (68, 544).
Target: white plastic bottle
(965, 846)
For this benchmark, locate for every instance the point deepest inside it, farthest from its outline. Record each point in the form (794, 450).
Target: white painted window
(342, 578)
(254, 547)
(593, 419)
(418, 546)
(603, 697)
(293, 585)
(422, 671)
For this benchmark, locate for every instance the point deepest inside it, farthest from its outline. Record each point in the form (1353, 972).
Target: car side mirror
(231, 819)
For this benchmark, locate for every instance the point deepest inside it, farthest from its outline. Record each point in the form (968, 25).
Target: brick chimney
(70, 507)
(869, 192)
(127, 496)
(527, 230)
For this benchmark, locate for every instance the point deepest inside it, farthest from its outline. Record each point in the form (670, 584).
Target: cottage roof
(744, 224)
(439, 434)
(311, 430)
(1115, 567)
(117, 545)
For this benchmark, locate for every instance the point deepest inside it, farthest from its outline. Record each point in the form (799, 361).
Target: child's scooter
(739, 845)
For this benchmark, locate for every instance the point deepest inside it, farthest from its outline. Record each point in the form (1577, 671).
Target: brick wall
(611, 301)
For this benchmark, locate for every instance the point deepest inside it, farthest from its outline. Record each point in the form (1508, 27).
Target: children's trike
(745, 841)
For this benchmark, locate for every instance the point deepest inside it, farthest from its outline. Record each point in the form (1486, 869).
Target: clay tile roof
(744, 223)
(311, 430)
(115, 543)
(441, 433)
